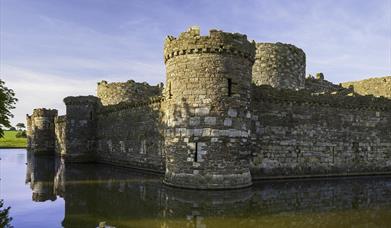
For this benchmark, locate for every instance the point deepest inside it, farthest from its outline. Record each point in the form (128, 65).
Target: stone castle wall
(131, 134)
(299, 134)
(130, 91)
(279, 65)
(207, 104)
(211, 128)
(373, 86)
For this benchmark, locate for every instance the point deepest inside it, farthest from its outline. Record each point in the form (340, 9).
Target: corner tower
(279, 65)
(207, 97)
(80, 131)
(40, 131)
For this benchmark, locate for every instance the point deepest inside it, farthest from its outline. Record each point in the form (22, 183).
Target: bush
(21, 134)
(12, 129)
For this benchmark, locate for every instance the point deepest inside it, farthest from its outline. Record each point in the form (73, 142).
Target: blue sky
(54, 48)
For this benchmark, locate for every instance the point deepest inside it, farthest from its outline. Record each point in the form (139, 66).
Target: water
(45, 192)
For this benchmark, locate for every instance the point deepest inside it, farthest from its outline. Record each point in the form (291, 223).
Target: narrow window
(91, 117)
(229, 80)
(169, 90)
(196, 152)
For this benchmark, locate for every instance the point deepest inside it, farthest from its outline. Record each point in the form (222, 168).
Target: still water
(45, 192)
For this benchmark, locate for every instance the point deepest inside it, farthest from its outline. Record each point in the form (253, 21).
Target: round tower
(130, 91)
(279, 65)
(40, 126)
(207, 97)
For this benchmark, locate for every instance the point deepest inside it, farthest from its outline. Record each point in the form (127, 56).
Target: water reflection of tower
(40, 174)
(59, 178)
(195, 206)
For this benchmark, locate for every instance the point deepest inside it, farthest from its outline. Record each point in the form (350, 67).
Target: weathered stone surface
(40, 131)
(373, 86)
(130, 91)
(216, 67)
(279, 65)
(301, 134)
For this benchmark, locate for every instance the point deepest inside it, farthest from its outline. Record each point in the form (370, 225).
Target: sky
(50, 49)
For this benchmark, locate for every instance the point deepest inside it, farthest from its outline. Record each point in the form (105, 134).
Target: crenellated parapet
(40, 130)
(279, 65)
(191, 42)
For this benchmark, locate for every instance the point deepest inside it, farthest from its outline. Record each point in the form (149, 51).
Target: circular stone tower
(279, 65)
(207, 97)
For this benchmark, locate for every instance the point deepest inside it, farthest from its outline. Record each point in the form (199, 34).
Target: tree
(5, 220)
(7, 102)
(20, 126)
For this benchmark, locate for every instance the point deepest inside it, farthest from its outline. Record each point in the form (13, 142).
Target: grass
(10, 141)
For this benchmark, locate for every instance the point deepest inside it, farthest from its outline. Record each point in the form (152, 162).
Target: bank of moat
(231, 111)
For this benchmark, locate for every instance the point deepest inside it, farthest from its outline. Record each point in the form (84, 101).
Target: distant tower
(40, 131)
(207, 115)
(80, 129)
(279, 65)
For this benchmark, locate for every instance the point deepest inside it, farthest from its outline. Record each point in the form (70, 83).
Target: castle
(231, 111)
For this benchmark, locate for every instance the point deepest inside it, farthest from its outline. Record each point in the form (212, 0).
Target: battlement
(130, 91)
(43, 112)
(279, 65)
(191, 42)
(81, 100)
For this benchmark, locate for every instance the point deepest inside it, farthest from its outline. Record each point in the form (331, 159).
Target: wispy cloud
(52, 49)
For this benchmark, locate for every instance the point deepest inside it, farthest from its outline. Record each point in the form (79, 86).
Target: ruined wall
(372, 86)
(319, 84)
(60, 131)
(130, 91)
(207, 108)
(130, 134)
(40, 130)
(279, 65)
(299, 134)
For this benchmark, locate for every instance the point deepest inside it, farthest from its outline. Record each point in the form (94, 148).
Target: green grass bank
(10, 141)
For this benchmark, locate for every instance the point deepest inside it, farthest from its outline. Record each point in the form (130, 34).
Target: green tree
(7, 102)
(5, 220)
(20, 126)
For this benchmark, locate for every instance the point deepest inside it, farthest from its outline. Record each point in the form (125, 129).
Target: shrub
(21, 134)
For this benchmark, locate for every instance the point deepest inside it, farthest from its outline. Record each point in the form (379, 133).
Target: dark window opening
(169, 90)
(196, 152)
(91, 116)
(229, 80)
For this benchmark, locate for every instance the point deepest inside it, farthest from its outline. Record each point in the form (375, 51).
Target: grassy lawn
(10, 141)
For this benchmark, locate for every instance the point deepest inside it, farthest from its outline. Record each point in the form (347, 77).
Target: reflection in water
(121, 197)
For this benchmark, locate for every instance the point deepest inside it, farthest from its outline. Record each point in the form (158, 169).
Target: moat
(46, 192)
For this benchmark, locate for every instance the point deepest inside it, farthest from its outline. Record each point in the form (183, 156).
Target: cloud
(37, 89)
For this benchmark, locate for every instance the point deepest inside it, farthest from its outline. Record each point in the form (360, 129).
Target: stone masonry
(279, 65)
(231, 111)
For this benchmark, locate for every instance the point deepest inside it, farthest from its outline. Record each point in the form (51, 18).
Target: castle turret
(207, 115)
(80, 130)
(40, 131)
(279, 65)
